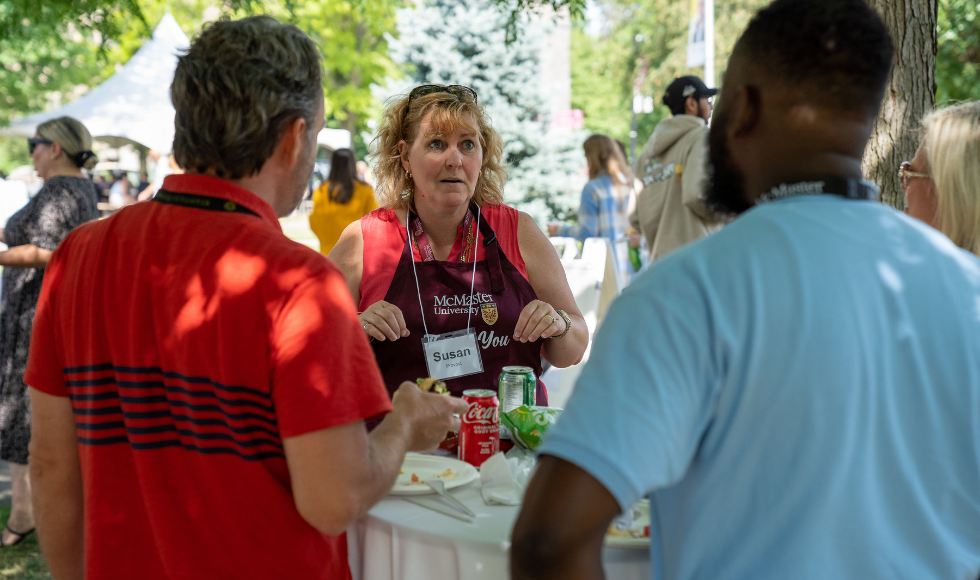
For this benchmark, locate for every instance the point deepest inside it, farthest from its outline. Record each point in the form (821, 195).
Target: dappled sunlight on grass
(23, 561)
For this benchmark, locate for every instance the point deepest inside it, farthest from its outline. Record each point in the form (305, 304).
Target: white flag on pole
(696, 35)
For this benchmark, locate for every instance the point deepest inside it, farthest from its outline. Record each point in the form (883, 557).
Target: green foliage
(638, 34)
(958, 61)
(602, 89)
(515, 9)
(352, 36)
(24, 20)
(23, 561)
(13, 154)
(464, 42)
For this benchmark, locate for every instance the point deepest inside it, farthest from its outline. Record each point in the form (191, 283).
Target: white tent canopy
(132, 106)
(334, 138)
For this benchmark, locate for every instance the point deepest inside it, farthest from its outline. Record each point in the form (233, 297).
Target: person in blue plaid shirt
(603, 212)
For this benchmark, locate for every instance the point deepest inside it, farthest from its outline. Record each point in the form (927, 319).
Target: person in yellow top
(340, 201)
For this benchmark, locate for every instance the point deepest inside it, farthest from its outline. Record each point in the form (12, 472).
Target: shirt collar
(196, 184)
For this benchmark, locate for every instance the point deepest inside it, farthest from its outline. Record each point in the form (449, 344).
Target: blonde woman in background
(942, 182)
(340, 201)
(59, 151)
(603, 211)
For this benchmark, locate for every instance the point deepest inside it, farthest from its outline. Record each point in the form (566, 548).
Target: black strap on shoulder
(200, 202)
(493, 257)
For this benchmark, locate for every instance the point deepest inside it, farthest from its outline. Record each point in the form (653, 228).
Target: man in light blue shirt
(799, 394)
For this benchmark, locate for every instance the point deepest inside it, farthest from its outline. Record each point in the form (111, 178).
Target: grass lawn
(297, 227)
(23, 561)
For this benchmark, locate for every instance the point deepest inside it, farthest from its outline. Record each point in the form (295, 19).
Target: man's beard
(724, 186)
(300, 179)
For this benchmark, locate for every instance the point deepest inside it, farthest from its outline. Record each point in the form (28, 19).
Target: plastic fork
(440, 488)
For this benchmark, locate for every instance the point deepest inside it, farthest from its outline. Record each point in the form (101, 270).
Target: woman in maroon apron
(443, 255)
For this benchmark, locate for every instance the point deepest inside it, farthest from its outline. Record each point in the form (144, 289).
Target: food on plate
(527, 425)
(448, 475)
(634, 523)
(615, 532)
(431, 385)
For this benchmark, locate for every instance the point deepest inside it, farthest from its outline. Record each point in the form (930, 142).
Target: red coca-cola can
(479, 434)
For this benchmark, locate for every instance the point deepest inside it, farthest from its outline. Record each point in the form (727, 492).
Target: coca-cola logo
(477, 413)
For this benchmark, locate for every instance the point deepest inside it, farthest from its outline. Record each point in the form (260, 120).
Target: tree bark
(909, 95)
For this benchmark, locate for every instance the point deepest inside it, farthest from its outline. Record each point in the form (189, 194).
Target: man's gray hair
(237, 88)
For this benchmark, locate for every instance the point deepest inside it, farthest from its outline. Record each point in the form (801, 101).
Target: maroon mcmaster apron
(500, 293)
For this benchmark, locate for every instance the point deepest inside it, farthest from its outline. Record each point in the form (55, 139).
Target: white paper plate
(642, 520)
(452, 472)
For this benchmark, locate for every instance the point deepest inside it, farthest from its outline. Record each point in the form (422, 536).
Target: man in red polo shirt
(199, 382)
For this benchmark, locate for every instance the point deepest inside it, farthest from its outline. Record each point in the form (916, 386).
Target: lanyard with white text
(452, 354)
(425, 248)
(841, 186)
(408, 230)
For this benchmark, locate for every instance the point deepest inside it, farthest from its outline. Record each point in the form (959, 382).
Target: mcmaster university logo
(489, 311)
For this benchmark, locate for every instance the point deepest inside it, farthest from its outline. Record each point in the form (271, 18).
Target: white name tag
(452, 355)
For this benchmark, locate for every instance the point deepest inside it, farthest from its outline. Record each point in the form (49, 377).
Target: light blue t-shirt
(799, 396)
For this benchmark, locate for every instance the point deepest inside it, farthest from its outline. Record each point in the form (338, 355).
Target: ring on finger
(553, 319)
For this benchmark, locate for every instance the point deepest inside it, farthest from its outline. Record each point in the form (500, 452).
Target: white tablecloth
(398, 540)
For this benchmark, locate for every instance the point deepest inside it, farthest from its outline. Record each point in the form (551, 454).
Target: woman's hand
(538, 320)
(383, 321)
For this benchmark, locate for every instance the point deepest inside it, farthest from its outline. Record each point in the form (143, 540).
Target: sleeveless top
(384, 240)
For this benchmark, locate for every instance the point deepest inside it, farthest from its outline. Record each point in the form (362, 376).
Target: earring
(408, 175)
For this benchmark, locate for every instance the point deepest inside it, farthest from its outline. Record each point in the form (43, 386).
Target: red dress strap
(384, 240)
(504, 219)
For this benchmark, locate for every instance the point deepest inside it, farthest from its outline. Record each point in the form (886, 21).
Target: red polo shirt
(191, 342)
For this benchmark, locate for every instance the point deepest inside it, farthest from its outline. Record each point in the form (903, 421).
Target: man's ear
(293, 141)
(746, 107)
(692, 107)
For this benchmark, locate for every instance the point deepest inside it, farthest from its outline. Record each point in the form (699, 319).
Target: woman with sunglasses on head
(59, 150)
(942, 182)
(450, 282)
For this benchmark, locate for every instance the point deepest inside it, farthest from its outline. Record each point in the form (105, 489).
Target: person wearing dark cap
(796, 394)
(669, 209)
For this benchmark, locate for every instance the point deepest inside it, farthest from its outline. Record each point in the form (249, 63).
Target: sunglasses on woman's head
(32, 143)
(456, 90)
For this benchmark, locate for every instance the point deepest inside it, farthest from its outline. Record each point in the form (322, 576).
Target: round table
(398, 540)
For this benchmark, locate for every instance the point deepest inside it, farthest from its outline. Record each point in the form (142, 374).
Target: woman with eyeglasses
(942, 182)
(450, 282)
(60, 150)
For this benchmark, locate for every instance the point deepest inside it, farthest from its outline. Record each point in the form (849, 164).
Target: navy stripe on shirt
(155, 414)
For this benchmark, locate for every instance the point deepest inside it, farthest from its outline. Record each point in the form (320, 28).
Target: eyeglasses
(906, 175)
(32, 143)
(456, 90)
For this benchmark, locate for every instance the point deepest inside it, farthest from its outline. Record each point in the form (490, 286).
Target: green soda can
(517, 386)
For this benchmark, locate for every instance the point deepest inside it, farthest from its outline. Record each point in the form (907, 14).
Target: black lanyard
(841, 186)
(200, 202)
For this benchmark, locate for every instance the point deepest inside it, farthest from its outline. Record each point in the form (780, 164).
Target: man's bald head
(837, 53)
(803, 87)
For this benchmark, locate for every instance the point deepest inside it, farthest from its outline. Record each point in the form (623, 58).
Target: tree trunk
(909, 95)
